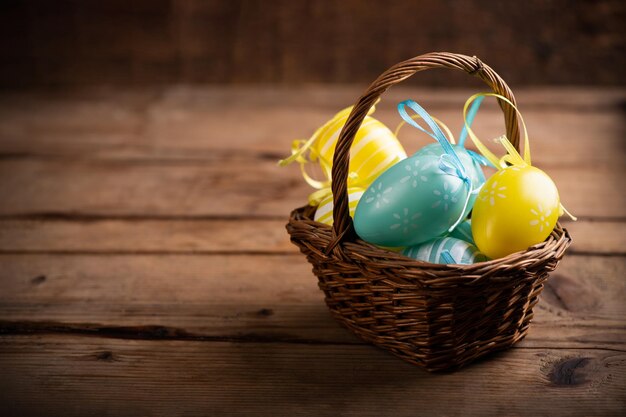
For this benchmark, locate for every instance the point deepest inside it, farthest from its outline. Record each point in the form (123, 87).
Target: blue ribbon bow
(449, 161)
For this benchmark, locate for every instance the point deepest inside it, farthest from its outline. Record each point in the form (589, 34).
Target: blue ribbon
(449, 161)
(447, 257)
(479, 158)
(449, 166)
(470, 119)
(454, 165)
(471, 114)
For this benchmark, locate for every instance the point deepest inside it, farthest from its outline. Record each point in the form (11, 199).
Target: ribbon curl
(441, 124)
(299, 147)
(481, 160)
(512, 157)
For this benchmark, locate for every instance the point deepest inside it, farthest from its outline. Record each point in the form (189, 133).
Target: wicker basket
(434, 316)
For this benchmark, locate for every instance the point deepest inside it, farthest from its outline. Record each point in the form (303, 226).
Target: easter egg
(435, 250)
(517, 207)
(324, 212)
(374, 149)
(411, 202)
(463, 231)
(472, 167)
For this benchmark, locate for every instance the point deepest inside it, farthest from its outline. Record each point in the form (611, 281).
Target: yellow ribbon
(512, 157)
(299, 147)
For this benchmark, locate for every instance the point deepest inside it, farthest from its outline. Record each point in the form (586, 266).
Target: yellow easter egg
(374, 149)
(516, 208)
(324, 212)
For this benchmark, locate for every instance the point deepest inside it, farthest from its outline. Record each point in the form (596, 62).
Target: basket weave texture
(435, 316)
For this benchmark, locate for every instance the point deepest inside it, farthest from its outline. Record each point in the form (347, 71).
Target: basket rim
(553, 247)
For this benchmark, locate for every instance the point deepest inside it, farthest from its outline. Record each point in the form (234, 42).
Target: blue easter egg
(472, 167)
(412, 202)
(437, 250)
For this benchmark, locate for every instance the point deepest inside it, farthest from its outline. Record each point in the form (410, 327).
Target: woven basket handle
(341, 160)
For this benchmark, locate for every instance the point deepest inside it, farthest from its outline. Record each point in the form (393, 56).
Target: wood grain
(205, 124)
(143, 41)
(285, 379)
(270, 298)
(144, 266)
(185, 152)
(223, 188)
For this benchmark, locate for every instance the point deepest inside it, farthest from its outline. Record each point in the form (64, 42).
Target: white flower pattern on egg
(426, 166)
(541, 218)
(415, 173)
(378, 194)
(492, 192)
(446, 196)
(405, 221)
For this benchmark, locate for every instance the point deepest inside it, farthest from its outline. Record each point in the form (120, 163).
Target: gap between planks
(164, 333)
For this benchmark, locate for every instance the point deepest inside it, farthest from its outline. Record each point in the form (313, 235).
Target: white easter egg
(438, 250)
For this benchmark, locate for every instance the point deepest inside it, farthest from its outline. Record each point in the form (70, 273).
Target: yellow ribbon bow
(512, 157)
(375, 148)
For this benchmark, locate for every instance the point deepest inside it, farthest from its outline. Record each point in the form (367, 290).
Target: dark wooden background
(77, 42)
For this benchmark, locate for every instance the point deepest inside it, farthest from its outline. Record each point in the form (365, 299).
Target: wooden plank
(259, 297)
(145, 236)
(557, 119)
(219, 188)
(180, 122)
(73, 123)
(233, 279)
(216, 378)
(271, 130)
(597, 236)
(226, 187)
(97, 235)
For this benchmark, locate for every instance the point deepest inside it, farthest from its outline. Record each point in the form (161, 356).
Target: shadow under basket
(435, 316)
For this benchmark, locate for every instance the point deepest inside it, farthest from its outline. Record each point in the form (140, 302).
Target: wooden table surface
(145, 268)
